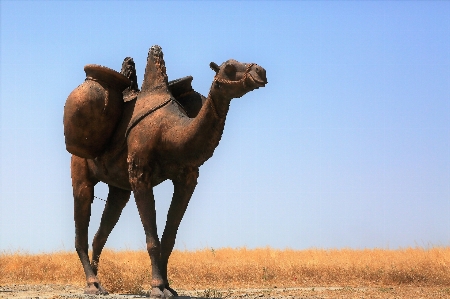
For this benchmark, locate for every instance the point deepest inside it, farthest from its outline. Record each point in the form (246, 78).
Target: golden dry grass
(128, 271)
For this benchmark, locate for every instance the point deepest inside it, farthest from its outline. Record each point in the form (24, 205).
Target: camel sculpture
(156, 139)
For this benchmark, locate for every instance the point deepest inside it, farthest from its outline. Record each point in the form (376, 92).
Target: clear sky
(347, 146)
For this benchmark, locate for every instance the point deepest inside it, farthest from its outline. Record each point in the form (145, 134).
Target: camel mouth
(257, 75)
(258, 81)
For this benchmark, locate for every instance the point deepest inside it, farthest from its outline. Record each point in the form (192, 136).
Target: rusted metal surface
(165, 132)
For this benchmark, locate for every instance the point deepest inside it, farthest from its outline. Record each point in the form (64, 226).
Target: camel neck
(206, 129)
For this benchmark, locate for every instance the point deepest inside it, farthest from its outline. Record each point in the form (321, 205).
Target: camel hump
(93, 110)
(155, 76)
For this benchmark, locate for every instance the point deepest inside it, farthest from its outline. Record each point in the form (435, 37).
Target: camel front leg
(183, 188)
(140, 179)
(116, 201)
(83, 193)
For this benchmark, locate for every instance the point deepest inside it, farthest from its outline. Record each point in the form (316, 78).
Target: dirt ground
(388, 292)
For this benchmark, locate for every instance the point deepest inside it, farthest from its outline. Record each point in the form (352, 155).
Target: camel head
(233, 79)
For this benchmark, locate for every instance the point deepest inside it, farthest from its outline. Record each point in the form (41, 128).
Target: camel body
(111, 166)
(171, 142)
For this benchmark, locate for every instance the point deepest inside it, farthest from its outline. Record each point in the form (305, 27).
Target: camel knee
(81, 246)
(153, 247)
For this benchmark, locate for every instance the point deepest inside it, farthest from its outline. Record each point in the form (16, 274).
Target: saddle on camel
(93, 109)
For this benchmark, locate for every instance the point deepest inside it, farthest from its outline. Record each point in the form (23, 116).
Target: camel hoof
(156, 293)
(95, 289)
(169, 292)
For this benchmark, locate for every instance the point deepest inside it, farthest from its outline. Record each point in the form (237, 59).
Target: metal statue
(164, 131)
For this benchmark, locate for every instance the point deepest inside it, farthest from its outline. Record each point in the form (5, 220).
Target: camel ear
(230, 69)
(214, 67)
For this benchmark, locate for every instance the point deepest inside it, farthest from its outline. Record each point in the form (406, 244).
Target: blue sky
(347, 146)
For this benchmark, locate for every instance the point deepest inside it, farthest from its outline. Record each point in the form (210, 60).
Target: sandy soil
(76, 292)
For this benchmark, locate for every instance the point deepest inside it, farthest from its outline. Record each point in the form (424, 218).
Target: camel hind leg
(83, 193)
(116, 201)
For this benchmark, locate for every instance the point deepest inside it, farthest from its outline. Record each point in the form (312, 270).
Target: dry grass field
(264, 268)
